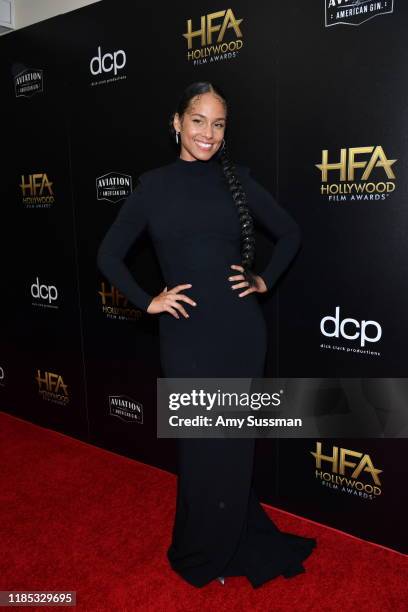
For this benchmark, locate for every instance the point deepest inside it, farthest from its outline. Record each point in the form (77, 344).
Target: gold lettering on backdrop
(36, 184)
(116, 296)
(340, 463)
(115, 305)
(378, 159)
(346, 186)
(52, 382)
(207, 28)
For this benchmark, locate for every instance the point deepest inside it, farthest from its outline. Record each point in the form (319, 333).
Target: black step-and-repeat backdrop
(317, 94)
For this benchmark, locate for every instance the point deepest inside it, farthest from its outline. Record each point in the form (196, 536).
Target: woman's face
(203, 123)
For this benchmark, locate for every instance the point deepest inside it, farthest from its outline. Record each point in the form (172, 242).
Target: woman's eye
(220, 125)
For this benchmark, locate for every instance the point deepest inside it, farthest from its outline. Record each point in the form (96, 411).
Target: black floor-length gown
(220, 528)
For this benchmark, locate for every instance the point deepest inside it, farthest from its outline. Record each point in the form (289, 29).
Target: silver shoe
(221, 579)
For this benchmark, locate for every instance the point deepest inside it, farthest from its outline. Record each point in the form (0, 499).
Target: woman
(198, 210)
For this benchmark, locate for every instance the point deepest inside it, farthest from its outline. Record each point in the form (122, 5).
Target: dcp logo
(44, 292)
(366, 331)
(106, 63)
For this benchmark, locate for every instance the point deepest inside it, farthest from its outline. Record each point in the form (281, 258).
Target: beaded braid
(245, 218)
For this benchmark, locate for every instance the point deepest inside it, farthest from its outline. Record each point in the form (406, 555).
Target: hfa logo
(345, 468)
(209, 37)
(115, 304)
(51, 387)
(36, 190)
(355, 12)
(339, 177)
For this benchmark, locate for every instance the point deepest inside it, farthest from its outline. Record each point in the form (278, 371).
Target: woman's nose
(208, 133)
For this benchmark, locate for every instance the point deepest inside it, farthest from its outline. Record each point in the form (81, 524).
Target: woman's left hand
(260, 283)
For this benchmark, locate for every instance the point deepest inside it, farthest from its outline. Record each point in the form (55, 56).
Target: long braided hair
(231, 178)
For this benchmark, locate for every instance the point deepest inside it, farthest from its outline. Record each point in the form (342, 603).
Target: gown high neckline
(197, 166)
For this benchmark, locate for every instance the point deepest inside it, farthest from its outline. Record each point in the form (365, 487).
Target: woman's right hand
(167, 301)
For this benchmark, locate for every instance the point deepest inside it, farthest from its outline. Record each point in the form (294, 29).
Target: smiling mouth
(204, 145)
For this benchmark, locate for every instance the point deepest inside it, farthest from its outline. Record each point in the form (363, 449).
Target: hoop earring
(177, 133)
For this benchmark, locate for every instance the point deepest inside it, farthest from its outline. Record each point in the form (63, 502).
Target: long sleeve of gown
(283, 229)
(128, 225)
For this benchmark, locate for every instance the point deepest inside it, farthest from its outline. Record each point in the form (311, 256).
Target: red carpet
(75, 517)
